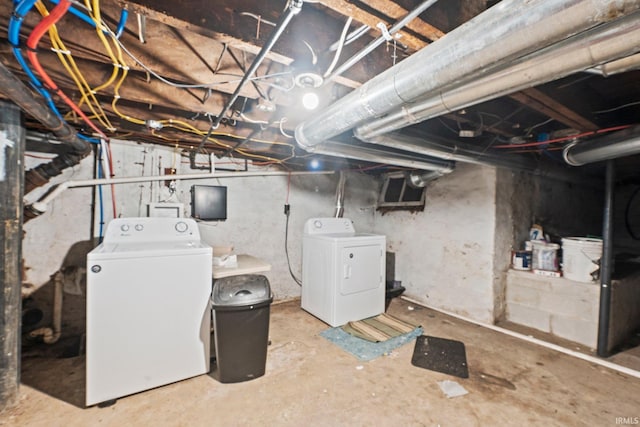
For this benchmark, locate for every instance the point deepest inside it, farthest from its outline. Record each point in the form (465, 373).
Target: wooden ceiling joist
(538, 101)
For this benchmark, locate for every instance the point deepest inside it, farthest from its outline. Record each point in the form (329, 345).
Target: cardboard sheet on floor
(440, 355)
(367, 350)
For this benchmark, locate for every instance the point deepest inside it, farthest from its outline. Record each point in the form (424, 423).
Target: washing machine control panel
(316, 226)
(150, 229)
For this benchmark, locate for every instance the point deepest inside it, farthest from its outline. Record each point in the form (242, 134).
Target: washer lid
(149, 249)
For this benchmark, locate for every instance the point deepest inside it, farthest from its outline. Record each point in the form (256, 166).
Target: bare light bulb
(310, 100)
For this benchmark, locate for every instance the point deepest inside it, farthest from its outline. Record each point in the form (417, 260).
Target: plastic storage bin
(241, 307)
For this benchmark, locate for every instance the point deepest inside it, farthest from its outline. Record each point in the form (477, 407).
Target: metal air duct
(507, 31)
(602, 44)
(372, 154)
(619, 66)
(619, 144)
(465, 153)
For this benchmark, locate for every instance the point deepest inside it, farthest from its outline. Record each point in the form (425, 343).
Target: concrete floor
(310, 381)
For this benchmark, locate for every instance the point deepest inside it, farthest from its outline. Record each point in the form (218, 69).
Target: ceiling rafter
(538, 101)
(397, 12)
(347, 8)
(234, 23)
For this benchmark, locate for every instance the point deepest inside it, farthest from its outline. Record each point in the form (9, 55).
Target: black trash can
(241, 307)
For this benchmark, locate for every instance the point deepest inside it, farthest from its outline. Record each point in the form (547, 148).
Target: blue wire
(124, 14)
(88, 139)
(21, 10)
(76, 12)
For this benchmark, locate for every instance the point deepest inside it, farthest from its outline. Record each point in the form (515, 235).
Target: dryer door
(361, 268)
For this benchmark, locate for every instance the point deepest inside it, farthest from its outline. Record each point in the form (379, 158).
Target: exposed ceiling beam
(241, 24)
(538, 101)
(485, 128)
(348, 8)
(397, 12)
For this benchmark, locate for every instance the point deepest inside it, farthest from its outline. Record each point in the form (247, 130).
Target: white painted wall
(444, 255)
(452, 256)
(255, 224)
(58, 234)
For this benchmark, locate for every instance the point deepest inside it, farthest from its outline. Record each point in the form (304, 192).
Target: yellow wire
(94, 13)
(118, 62)
(73, 70)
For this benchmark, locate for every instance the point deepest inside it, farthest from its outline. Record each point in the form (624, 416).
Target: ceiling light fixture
(310, 100)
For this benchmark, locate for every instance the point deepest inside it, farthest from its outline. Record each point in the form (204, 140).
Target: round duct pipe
(507, 31)
(619, 144)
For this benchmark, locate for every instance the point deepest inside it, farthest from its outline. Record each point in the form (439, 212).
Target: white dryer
(148, 307)
(343, 273)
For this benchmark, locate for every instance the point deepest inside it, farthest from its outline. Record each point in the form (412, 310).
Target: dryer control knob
(124, 227)
(317, 223)
(139, 227)
(181, 227)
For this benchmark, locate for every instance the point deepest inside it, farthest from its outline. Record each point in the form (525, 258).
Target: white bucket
(580, 258)
(545, 255)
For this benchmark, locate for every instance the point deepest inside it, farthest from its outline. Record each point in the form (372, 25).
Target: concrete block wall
(555, 305)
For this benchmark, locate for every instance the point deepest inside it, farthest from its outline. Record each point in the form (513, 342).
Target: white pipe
(41, 205)
(560, 349)
(373, 154)
(52, 334)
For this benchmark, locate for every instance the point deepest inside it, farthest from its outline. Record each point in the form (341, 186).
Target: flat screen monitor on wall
(209, 202)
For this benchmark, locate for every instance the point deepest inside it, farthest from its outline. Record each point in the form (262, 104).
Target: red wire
(565, 138)
(32, 43)
(113, 189)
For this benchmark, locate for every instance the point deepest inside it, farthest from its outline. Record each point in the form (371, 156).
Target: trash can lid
(246, 289)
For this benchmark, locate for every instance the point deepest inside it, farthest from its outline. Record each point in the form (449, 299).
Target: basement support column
(606, 263)
(12, 142)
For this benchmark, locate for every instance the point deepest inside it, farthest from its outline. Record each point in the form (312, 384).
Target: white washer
(148, 307)
(343, 272)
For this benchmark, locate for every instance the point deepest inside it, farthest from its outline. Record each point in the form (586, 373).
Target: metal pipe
(509, 30)
(40, 206)
(465, 153)
(381, 39)
(622, 65)
(340, 195)
(606, 264)
(599, 45)
(372, 154)
(293, 8)
(619, 144)
(416, 180)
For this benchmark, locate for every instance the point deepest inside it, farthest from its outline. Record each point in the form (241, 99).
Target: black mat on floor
(440, 355)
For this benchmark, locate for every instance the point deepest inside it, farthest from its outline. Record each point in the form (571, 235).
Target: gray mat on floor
(367, 350)
(440, 355)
